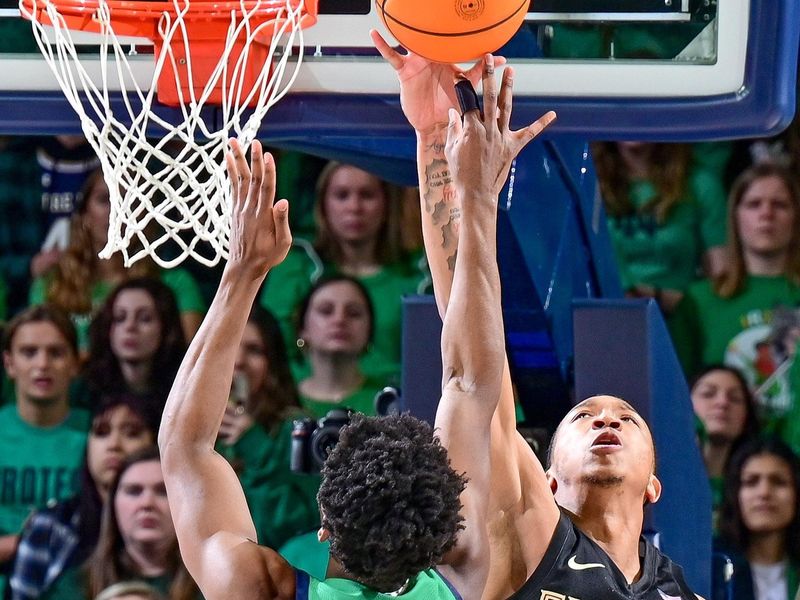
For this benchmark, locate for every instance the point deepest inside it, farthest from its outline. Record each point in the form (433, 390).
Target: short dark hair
(390, 500)
(41, 313)
(732, 528)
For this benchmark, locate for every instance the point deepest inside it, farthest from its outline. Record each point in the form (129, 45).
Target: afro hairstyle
(390, 500)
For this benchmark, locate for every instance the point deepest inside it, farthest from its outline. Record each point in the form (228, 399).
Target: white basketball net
(166, 179)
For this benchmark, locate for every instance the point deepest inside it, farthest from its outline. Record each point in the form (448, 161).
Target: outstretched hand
(480, 150)
(426, 87)
(260, 236)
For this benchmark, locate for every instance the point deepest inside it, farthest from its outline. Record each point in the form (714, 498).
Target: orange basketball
(452, 30)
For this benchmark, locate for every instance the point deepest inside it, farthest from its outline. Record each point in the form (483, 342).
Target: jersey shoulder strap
(302, 583)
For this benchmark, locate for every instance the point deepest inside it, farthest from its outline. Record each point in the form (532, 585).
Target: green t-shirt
(428, 585)
(306, 553)
(668, 255)
(283, 504)
(707, 329)
(38, 465)
(180, 281)
(289, 282)
(362, 400)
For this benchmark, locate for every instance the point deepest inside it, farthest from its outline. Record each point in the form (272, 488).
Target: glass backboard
(666, 69)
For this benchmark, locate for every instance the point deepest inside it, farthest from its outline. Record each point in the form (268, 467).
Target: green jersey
(428, 585)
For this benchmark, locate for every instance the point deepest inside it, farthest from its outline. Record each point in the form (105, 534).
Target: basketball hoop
(166, 179)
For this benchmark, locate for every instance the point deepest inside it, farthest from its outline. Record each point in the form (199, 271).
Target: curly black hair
(389, 500)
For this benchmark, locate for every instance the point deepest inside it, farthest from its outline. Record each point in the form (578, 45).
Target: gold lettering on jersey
(548, 595)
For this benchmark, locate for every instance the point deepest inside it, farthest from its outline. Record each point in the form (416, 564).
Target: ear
(323, 535)
(653, 491)
(551, 481)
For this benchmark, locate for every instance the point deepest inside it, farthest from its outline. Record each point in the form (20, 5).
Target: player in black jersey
(573, 533)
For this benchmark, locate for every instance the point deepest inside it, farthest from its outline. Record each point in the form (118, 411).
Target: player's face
(765, 217)
(115, 434)
(97, 211)
(767, 497)
(337, 320)
(719, 402)
(251, 360)
(41, 363)
(354, 205)
(141, 505)
(135, 326)
(603, 441)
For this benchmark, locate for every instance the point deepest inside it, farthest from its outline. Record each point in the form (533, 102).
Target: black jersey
(575, 567)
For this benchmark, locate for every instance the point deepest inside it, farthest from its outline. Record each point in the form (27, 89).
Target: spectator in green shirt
(336, 325)
(358, 220)
(80, 281)
(666, 219)
(726, 415)
(731, 318)
(256, 435)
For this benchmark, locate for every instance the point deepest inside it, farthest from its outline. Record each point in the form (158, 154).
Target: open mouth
(607, 439)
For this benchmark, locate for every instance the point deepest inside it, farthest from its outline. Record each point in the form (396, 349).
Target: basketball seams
(387, 17)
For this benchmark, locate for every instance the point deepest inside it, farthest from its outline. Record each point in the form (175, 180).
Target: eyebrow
(591, 403)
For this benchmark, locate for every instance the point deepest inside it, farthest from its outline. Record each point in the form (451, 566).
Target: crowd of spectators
(91, 347)
(719, 250)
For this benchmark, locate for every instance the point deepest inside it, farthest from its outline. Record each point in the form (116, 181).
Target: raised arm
(214, 527)
(426, 95)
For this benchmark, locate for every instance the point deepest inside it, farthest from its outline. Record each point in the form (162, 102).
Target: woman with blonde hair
(80, 281)
(664, 217)
(731, 318)
(358, 219)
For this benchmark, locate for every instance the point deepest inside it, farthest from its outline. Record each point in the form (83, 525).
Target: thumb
(280, 213)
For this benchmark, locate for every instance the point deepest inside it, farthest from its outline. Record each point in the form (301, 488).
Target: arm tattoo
(437, 180)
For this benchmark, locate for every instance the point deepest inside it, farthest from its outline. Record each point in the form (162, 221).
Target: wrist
(433, 135)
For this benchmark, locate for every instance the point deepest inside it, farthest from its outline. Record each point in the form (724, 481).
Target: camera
(312, 441)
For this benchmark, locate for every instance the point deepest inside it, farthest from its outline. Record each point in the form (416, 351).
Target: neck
(715, 455)
(769, 265)
(613, 519)
(39, 414)
(137, 375)
(151, 559)
(767, 548)
(333, 376)
(359, 258)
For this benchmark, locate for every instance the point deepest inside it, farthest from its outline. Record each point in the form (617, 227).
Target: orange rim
(132, 17)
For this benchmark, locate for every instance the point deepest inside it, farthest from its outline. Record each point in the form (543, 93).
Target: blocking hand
(260, 236)
(426, 87)
(480, 150)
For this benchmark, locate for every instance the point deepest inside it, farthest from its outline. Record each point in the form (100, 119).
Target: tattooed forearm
(437, 183)
(450, 236)
(436, 147)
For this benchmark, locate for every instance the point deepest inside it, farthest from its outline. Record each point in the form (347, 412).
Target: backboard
(613, 69)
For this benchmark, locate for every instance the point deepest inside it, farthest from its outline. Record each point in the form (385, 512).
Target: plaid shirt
(22, 220)
(46, 547)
